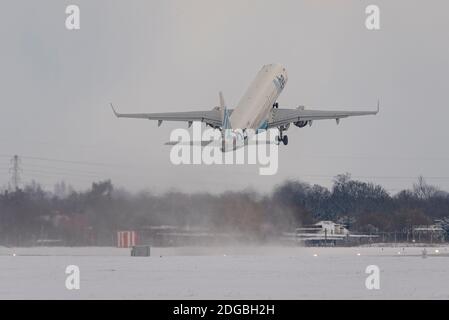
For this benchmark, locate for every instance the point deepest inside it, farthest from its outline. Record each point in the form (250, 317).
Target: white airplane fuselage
(253, 111)
(254, 108)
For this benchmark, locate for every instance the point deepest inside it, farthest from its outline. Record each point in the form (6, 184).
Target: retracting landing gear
(281, 137)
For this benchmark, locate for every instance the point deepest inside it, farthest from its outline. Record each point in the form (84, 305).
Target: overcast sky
(157, 56)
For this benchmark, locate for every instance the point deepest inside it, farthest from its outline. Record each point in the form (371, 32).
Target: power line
(74, 162)
(89, 163)
(15, 172)
(376, 177)
(377, 156)
(59, 169)
(61, 173)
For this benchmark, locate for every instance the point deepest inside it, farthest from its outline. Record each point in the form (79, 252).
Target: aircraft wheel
(285, 140)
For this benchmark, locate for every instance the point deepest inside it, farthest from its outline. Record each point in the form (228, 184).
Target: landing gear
(285, 140)
(281, 137)
(276, 105)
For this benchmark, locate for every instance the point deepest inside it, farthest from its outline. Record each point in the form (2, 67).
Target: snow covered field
(225, 273)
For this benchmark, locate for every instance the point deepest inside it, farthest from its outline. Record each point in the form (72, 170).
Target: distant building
(173, 236)
(68, 229)
(322, 233)
(326, 228)
(326, 233)
(430, 233)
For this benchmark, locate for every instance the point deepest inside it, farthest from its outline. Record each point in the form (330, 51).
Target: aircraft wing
(281, 117)
(212, 117)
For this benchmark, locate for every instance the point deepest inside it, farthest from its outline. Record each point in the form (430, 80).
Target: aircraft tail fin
(226, 124)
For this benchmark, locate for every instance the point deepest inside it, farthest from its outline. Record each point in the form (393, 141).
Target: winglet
(113, 110)
(378, 106)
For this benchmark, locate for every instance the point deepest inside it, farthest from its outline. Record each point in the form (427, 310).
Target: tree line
(92, 217)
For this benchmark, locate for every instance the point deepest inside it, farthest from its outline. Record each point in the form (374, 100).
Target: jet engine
(301, 124)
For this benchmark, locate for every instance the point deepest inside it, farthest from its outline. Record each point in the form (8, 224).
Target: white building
(324, 228)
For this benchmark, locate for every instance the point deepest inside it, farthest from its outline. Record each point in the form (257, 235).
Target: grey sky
(156, 56)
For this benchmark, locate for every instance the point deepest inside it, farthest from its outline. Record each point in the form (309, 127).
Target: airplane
(257, 110)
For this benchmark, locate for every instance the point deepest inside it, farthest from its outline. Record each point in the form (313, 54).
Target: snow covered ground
(225, 273)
